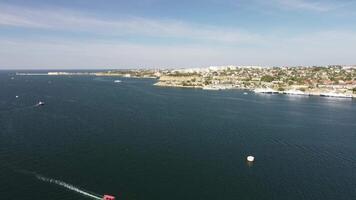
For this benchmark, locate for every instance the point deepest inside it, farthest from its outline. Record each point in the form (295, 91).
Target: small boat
(336, 95)
(210, 88)
(245, 93)
(40, 103)
(250, 158)
(17, 96)
(108, 197)
(117, 81)
(265, 90)
(295, 92)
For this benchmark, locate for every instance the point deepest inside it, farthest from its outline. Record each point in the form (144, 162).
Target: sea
(137, 141)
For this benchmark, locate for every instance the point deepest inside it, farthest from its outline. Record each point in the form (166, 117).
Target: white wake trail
(68, 186)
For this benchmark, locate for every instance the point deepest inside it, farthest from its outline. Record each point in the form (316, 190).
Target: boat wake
(54, 181)
(68, 186)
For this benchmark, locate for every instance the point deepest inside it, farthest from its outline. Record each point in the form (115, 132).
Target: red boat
(108, 197)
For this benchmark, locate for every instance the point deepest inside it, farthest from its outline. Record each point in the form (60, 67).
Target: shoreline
(306, 94)
(196, 81)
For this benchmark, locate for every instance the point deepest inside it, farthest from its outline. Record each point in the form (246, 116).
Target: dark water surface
(138, 141)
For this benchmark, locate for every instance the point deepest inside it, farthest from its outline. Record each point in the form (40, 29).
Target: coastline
(332, 81)
(320, 94)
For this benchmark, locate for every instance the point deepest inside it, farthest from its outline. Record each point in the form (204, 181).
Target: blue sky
(156, 33)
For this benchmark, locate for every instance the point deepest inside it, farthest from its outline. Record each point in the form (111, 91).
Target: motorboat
(108, 197)
(40, 103)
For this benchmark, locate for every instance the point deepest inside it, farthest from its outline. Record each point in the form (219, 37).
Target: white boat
(245, 93)
(295, 92)
(210, 88)
(40, 103)
(117, 81)
(337, 95)
(265, 90)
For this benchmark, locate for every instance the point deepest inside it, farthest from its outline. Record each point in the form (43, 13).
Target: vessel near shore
(296, 92)
(265, 91)
(337, 95)
(210, 88)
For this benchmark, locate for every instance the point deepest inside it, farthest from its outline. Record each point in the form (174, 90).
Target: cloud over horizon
(64, 37)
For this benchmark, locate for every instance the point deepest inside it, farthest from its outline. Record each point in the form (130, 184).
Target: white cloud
(98, 54)
(65, 20)
(211, 45)
(304, 4)
(311, 5)
(313, 49)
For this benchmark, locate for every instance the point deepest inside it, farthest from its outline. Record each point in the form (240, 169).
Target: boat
(108, 197)
(117, 81)
(210, 88)
(337, 95)
(265, 90)
(218, 87)
(40, 103)
(295, 92)
(245, 93)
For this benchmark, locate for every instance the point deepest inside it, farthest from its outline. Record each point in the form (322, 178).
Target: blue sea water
(141, 142)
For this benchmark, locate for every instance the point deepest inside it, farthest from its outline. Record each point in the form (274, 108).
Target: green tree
(348, 77)
(267, 78)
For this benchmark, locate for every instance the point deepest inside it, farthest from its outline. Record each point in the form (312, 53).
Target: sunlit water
(138, 141)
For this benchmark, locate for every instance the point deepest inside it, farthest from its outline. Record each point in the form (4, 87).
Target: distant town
(333, 81)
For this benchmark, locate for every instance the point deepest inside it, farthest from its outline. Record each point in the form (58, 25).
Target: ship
(117, 81)
(40, 103)
(295, 92)
(265, 90)
(337, 95)
(218, 87)
(210, 88)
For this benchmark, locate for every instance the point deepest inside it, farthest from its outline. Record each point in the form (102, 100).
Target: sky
(98, 34)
